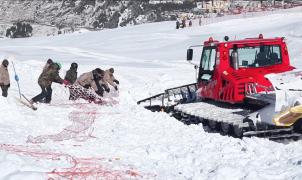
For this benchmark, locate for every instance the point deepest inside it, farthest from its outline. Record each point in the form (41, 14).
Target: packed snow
(65, 140)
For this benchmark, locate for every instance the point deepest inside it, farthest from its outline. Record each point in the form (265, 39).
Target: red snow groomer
(244, 88)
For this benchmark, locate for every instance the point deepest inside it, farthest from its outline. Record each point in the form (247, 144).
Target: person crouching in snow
(110, 79)
(48, 76)
(4, 78)
(89, 80)
(101, 85)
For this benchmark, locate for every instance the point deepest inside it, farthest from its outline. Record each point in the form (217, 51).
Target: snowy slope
(125, 141)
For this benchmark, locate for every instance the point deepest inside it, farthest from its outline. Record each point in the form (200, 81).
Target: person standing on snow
(48, 76)
(72, 74)
(47, 65)
(199, 21)
(183, 22)
(46, 68)
(4, 77)
(190, 23)
(177, 24)
(110, 79)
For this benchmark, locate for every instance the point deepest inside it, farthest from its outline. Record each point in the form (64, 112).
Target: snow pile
(125, 141)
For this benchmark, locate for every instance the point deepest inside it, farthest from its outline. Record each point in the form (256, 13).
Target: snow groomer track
(231, 121)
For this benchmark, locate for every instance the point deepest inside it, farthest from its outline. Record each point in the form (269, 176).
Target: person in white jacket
(4, 78)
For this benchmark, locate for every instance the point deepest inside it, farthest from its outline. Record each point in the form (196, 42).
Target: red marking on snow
(133, 173)
(73, 167)
(71, 104)
(24, 150)
(79, 168)
(81, 128)
(92, 168)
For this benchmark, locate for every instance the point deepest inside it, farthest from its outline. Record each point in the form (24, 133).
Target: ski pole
(17, 79)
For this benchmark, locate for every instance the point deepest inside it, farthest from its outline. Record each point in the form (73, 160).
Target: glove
(115, 87)
(16, 77)
(1, 84)
(100, 92)
(116, 81)
(107, 90)
(8, 85)
(65, 82)
(87, 86)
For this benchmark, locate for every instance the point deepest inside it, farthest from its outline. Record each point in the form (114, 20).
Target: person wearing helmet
(50, 75)
(4, 77)
(110, 79)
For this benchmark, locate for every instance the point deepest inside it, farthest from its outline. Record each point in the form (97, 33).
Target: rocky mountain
(89, 13)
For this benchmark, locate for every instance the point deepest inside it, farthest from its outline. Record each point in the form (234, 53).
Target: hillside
(87, 13)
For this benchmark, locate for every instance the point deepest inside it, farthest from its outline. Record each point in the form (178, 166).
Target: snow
(125, 141)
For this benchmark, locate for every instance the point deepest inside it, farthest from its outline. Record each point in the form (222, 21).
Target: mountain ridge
(89, 13)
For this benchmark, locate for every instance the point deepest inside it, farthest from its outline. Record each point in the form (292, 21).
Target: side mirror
(189, 54)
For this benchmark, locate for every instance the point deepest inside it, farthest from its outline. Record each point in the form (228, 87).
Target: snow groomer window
(258, 56)
(207, 63)
(208, 59)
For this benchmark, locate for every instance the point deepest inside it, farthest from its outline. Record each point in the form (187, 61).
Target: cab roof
(259, 40)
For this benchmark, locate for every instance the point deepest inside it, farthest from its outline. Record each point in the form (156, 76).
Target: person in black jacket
(71, 76)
